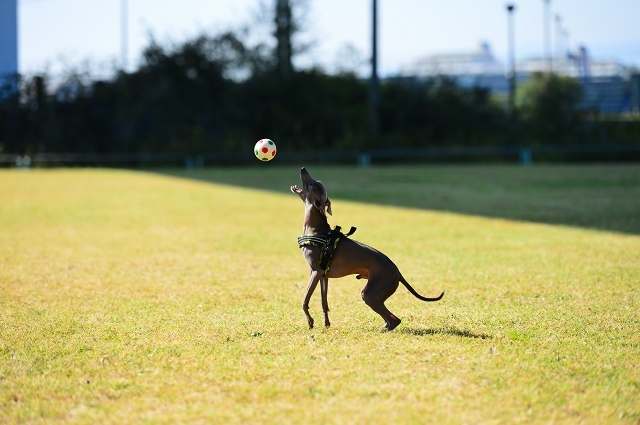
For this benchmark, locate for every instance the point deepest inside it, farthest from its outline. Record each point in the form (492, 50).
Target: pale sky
(53, 34)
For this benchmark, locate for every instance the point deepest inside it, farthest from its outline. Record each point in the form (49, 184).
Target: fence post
(364, 160)
(525, 156)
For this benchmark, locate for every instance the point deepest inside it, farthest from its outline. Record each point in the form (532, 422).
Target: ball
(265, 149)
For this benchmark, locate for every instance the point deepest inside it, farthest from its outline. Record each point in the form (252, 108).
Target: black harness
(328, 242)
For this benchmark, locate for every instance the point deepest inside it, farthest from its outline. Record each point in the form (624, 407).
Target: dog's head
(313, 191)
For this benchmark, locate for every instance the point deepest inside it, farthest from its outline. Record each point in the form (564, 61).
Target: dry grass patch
(129, 297)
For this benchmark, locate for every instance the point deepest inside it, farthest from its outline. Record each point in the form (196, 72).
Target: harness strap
(313, 240)
(329, 243)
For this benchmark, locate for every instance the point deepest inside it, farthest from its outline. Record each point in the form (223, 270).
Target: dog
(332, 254)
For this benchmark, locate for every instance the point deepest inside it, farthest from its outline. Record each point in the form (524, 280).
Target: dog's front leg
(313, 282)
(324, 289)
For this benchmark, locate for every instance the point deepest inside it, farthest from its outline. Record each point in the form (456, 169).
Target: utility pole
(374, 84)
(124, 42)
(559, 49)
(512, 60)
(547, 35)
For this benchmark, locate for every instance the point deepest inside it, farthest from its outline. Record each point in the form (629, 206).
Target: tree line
(221, 94)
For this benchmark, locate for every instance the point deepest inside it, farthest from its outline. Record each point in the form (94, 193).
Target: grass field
(174, 297)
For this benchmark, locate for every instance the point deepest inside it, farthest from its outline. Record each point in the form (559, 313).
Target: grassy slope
(130, 297)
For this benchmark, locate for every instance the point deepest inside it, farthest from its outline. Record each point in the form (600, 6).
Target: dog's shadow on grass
(443, 331)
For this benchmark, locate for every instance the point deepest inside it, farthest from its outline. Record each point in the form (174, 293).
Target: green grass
(131, 297)
(595, 196)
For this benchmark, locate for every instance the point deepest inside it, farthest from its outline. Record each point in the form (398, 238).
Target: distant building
(609, 86)
(468, 69)
(8, 43)
(480, 62)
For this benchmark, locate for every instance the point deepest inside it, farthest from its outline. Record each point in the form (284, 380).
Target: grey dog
(348, 257)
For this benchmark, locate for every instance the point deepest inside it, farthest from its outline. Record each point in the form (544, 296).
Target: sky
(57, 35)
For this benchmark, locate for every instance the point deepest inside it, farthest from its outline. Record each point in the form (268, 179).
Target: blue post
(364, 160)
(525, 156)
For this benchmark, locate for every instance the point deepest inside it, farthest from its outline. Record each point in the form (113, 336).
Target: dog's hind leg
(374, 294)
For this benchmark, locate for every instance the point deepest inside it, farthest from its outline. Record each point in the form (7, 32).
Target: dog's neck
(315, 223)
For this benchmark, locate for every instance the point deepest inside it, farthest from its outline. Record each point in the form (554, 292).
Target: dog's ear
(323, 207)
(318, 204)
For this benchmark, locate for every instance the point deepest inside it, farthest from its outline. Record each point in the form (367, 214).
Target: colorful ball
(265, 150)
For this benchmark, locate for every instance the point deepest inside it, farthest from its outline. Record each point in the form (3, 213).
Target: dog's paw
(393, 324)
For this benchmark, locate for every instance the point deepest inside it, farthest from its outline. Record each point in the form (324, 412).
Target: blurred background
(196, 82)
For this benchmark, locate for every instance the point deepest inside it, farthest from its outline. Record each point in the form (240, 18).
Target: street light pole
(374, 89)
(512, 60)
(559, 58)
(547, 35)
(123, 35)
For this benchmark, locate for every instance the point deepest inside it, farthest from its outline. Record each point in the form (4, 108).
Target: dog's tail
(415, 293)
